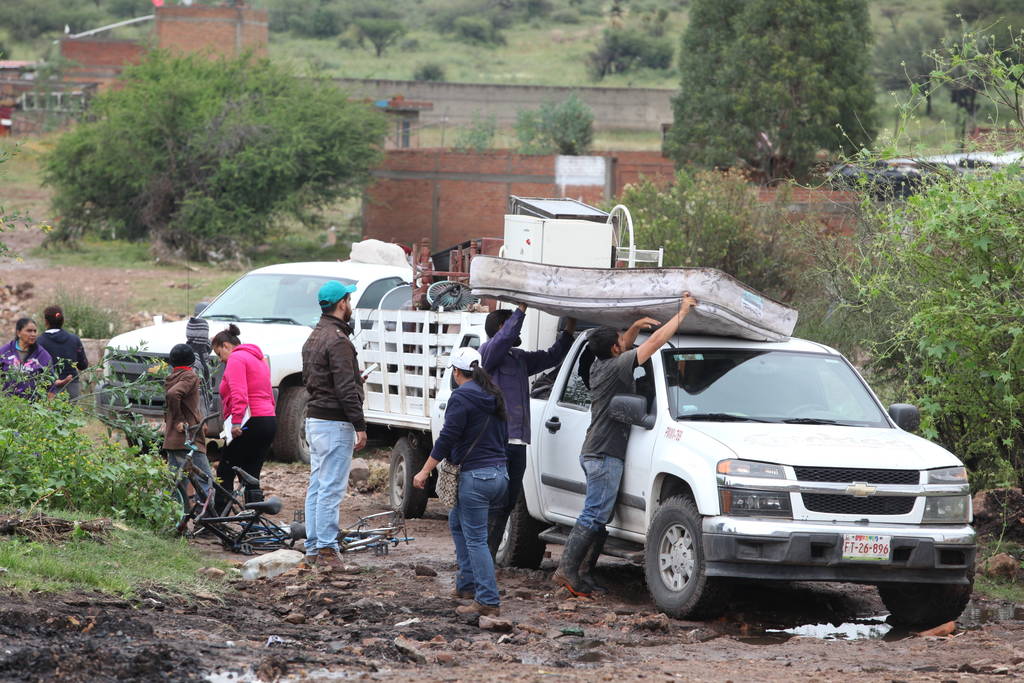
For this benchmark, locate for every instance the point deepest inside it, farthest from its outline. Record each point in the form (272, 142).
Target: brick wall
(226, 31)
(453, 196)
(98, 60)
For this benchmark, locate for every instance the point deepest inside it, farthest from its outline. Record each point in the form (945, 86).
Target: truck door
(563, 427)
(630, 510)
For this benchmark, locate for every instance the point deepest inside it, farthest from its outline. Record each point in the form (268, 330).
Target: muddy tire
(406, 461)
(521, 545)
(674, 562)
(290, 443)
(925, 604)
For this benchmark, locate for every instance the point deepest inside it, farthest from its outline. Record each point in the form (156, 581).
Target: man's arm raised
(663, 334)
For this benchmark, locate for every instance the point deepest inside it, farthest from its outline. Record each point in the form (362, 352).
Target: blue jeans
(604, 476)
(330, 456)
(479, 491)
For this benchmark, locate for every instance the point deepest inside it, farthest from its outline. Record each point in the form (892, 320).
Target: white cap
(464, 357)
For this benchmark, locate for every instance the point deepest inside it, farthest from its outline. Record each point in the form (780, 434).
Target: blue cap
(332, 292)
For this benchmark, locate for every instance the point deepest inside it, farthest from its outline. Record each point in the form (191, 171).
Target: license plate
(866, 547)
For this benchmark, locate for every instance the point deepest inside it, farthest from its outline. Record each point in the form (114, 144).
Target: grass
(130, 561)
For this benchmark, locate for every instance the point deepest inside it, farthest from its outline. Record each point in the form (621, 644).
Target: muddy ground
(350, 627)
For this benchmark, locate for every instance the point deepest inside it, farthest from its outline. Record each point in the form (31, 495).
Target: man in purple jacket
(510, 368)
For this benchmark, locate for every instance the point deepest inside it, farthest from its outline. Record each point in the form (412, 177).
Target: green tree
(204, 157)
(907, 57)
(565, 127)
(767, 83)
(478, 136)
(381, 33)
(622, 50)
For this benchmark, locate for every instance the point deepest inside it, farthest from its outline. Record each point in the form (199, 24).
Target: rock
(529, 628)
(1001, 564)
(295, 618)
(983, 509)
(423, 570)
(337, 646)
(495, 624)
(359, 471)
(567, 606)
(271, 564)
(654, 622)
(408, 648)
(445, 658)
(363, 603)
(460, 644)
(212, 573)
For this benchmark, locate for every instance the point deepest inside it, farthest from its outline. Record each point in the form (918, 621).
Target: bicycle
(240, 527)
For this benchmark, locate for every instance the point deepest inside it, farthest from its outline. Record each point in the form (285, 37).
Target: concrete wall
(226, 31)
(614, 108)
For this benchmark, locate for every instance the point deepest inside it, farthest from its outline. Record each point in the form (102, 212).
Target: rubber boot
(590, 561)
(495, 530)
(567, 575)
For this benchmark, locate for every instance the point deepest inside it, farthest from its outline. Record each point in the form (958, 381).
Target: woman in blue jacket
(474, 436)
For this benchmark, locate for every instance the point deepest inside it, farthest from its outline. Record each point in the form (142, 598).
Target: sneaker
(330, 560)
(467, 594)
(476, 608)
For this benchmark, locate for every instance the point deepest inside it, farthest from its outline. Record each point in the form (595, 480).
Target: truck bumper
(812, 551)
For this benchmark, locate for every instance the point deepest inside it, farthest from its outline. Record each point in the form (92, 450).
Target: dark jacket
(510, 368)
(181, 405)
(330, 371)
(465, 419)
(67, 352)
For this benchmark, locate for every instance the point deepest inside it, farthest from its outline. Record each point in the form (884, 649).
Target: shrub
(477, 31)
(566, 16)
(623, 50)
(431, 71)
(556, 128)
(45, 459)
(84, 318)
(478, 136)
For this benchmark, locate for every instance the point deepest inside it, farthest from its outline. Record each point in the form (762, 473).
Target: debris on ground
(46, 529)
(271, 565)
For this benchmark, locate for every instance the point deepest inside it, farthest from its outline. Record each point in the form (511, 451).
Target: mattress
(616, 296)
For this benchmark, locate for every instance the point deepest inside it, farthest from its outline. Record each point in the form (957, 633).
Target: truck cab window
(576, 392)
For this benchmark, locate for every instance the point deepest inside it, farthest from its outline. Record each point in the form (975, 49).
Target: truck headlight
(947, 509)
(947, 475)
(751, 468)
(755, 503)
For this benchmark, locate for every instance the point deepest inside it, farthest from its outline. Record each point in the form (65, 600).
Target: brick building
(221, 31)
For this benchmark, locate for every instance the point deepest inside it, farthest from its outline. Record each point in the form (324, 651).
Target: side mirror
(631, 409)
(200, 307)
(906, 416)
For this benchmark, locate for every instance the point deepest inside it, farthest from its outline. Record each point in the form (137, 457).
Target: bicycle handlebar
(192, 430)
(246, 477)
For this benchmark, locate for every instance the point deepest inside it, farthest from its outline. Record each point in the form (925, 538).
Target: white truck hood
(277, 341)
(826, 445)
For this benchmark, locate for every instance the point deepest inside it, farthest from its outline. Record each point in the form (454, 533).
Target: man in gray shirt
(604, 449)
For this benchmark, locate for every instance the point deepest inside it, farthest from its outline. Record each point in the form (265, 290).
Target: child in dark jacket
(66, 349)
(181, 408)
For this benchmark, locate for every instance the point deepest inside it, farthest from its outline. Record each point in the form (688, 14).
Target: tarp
(618, 297)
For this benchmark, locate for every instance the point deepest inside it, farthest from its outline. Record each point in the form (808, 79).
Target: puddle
(857, 629)
(976, 616)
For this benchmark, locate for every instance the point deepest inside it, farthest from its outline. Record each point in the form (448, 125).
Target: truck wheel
(521, 545)
(290, 441)
(925, 604)
(674, 561)
(406, 461)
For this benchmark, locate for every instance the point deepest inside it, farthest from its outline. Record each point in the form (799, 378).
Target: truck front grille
(841, 504)
(848, 475)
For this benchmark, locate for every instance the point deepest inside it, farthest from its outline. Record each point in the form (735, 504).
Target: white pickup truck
(753, 460)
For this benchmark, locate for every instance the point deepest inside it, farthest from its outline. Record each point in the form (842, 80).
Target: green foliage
(766, 83)
(476, 31)
(219, 152)
(478, 136)
(623, 50)
(83, 317)
(566, 16)
(44, 456)
(430, 71)
(712, 219)
(379, 32)
(565, 127)
(906, 57)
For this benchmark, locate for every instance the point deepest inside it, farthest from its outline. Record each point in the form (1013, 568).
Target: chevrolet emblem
(860, 489)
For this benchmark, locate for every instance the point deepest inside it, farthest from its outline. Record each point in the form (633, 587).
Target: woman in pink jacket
(247, 399)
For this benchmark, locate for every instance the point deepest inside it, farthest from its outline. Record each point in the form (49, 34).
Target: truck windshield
(767, 386)
(271, 298)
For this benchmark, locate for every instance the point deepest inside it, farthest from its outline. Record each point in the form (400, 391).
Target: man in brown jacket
(335, 425)
(181, 410)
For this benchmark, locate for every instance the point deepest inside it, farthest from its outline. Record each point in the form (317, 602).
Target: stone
(460, 644)
(1002, 564)
(359, 471)
(424, 570)
(654, 622)
(445, 657)
(529, 628)
(295, 618)
(212, 573)
(495, 624)
(271, 564)
(983, 509)
(409, 648)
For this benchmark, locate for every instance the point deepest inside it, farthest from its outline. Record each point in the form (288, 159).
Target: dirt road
(392, 620)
